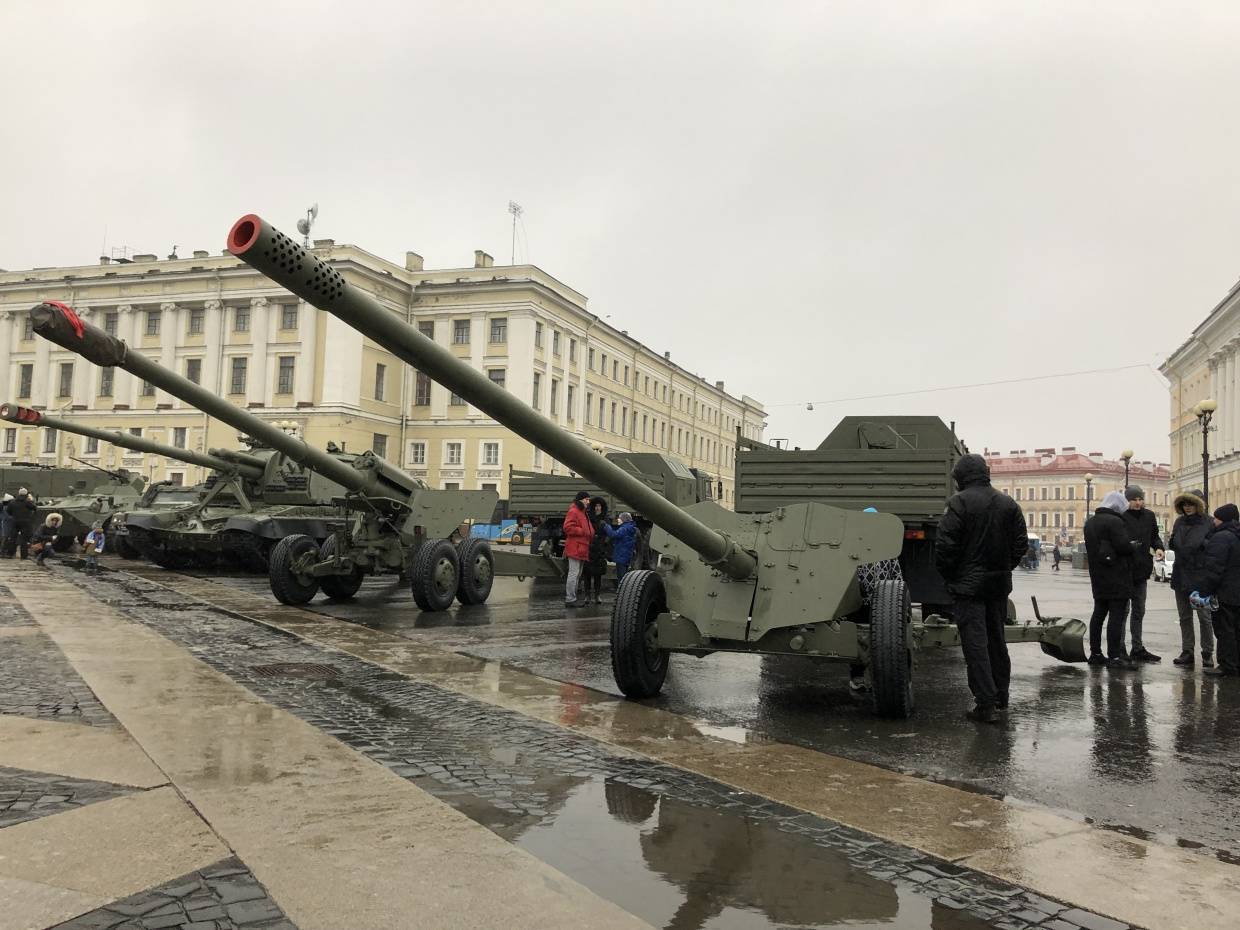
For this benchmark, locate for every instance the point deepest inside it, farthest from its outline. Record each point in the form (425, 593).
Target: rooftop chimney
(103, 260)
(413, 261)
(719, 384)
(201, 253)
(482, 259)
(146, 257)
(668, 356)
(324, 243)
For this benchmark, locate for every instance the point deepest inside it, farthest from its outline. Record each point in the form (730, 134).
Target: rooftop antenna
(304, 226)
(516, 210)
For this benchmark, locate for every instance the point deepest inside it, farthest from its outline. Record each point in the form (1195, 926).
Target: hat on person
(21, 491)
(1114, 501)
(1228, 513)
(1134, 493)
(96, 525)
(626, 517)
(581, 495)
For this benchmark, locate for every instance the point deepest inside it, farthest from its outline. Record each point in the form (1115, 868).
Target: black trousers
(1227, 652)
(1113, 611)
(594, 578)
(980, 623)
(21, 538)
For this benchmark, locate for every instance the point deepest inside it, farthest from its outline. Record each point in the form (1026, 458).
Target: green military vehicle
(80, 495)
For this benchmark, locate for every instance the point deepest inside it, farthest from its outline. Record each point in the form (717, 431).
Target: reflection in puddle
(684, 867)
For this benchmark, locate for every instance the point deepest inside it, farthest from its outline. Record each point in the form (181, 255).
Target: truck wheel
(286, 584)
(517, 539)
(337, 587)
(434, 575)
(637, 662)
(891, 659)
(477, 570)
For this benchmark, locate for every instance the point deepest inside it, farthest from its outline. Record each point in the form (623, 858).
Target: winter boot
(1185, 660)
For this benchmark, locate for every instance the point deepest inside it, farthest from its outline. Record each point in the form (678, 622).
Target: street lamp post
(1204, 411)
(1089, 486)
(1126, 458)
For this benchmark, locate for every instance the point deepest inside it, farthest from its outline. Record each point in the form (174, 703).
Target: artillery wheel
(891, 658)
(434, 575)
(286, 585)
(477, 570)
(637, 662)
(337, 587)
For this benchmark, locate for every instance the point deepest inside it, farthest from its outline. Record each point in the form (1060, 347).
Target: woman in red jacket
(578, 531)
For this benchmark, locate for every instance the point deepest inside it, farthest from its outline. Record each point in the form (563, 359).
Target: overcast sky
(810, 201)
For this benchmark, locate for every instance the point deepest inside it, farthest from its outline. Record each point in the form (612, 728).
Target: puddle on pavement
(683, 867)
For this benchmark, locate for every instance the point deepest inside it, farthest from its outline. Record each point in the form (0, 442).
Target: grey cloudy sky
(811, 201)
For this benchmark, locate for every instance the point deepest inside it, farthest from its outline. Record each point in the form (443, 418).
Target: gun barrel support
(284, 261)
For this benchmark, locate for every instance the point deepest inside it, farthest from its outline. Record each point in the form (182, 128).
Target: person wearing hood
(600, 544)
(1147, 545)
(624, 544)
(1189, 536)
(981, 538)
(1222, 580)
(1110, 553)
(44, 546)
(21, 509)
(578, 531)
(6, 527)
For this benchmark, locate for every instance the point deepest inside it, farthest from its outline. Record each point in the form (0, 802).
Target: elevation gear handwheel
(337, 587)
(433, 574)
(637, 662)
(287, 584)
(477, 570)
(891, 654)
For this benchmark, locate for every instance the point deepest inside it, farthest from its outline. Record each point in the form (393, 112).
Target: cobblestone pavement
(29, 795)
(36, 680)
(225, 896)
(520, 777)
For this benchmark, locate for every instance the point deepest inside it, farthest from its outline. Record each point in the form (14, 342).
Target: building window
(92, 445)
(25, 380)
(490, 453)
(460, 332)
(663, 435)
(380, 382)
(422, 390)
(10, 440)
(1017, 494)
(452, 485)
(193, 370)
(148, 389)
(624, 421)
(197, 321)
(135, 431)
(490, 487)
(590, 359)
(555, 391)
(1055, 518)
(645, 420)
(176, 478)
(1044, 498)
(237, 385)
(497, 376)
(109, 323)
(499, 329)
(49, 440)
(427, 329)
(28, 328)
(1071, 519)
(454, 453)
(1043, 518)
(457, 401)
(589, 409)
(646, 389)
(241, 319)
(379, 445)
(568, 403)
(538, 328)
(555, 342)
(417, 453)
(284, 382)
(615, 370)
(152, 322)
(1058, 493)
(106, 379)
(603, 364)
(572, 351)
(1072, 492)
(66, 379)
(288, 316)
(538, 458)
(178, 437)
(535, 402)
(602, 410)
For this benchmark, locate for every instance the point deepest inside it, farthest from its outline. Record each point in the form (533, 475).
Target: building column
(439, 394)
(213, 331)
(256, 377)
(307, 363)
(1231, 410)
(42, 388)
(83, 371)
(169, 328)
(479, 339)
(8, 336)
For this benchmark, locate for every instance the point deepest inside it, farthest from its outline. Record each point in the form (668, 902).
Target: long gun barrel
(59, 324)
(16, 414)
(239, 458)
(284, 261)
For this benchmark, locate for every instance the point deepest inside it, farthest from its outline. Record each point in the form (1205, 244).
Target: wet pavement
(1149, 753)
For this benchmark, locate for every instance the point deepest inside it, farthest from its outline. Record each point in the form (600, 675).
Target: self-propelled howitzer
(395, 523)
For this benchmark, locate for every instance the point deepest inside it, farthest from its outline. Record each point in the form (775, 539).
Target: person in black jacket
(1110, 576)
(600, 547)
(1222, 580)
(1147, 545)
(1188, 541)
(981, 539)
(21, 509)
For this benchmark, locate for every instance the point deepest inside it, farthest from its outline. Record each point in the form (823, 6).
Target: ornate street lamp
(1203, 412)
(1126, 458)
(1089, 478)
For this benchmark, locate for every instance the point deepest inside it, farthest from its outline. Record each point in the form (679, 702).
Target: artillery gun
(781, 582)
(391, 522)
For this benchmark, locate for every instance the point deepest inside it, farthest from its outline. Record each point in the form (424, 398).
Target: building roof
(1068, 462)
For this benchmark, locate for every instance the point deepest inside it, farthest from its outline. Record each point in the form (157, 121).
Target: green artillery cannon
(781, 582)
(393, 523)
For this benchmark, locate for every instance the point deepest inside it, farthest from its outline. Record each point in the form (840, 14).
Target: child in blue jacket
(624, 539)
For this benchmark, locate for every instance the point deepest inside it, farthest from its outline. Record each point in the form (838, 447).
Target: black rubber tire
(337, 587)
(477, 570)
(639, 670)
(518, 539)
(124, 549)
(433, 588)
(286, 586)
(891, 658)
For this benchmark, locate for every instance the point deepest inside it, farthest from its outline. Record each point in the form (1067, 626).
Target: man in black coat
(1188, 541)
(21, 509)
(1110, 576)
(981, 539)
(1222, 580)
(1147, 545)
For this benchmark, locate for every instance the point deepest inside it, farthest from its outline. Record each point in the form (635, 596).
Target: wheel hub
(445, 576)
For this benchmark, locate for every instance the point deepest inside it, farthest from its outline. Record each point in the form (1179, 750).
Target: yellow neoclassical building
(216, 321)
